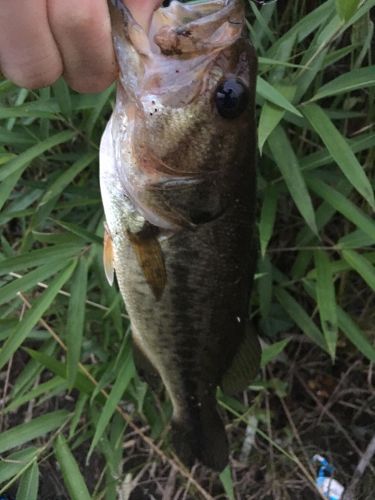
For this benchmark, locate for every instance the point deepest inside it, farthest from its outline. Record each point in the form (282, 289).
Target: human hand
(40, 40)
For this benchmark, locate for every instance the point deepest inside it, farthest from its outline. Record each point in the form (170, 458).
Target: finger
(142, 10)
(82, 31)
(28, 53)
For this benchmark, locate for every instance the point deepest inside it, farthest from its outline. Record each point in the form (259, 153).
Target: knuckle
(33, 77)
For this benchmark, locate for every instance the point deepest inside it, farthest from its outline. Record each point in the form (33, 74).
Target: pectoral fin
(150, 258)
(108, 256)
(245, 364)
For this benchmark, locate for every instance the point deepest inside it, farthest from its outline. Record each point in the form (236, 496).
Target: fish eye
(231, 98)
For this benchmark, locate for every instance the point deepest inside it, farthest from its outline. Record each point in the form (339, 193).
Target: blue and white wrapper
(329, 487)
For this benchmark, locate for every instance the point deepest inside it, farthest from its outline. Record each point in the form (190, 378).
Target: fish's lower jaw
(201, 439)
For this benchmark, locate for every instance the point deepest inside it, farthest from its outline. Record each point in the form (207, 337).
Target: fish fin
(150, 258)
(108, 256)
(187, 202)
(245, 363)
(144, 367)
(201, 437)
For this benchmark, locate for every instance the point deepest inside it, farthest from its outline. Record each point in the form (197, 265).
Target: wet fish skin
(178, 188)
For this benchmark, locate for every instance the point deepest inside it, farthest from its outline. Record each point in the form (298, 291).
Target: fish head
(187, 85)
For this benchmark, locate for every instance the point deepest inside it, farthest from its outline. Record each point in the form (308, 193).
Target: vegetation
(71, 404)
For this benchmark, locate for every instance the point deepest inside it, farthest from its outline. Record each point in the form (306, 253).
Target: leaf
(288, 164)
(82, 383)
(361, 265)
(34, 314)
(268, 92)
(346, 8)
(326, 300)
(58, 186)
(272, 351)
(267, 217)
(300, 317)
(340, 151)
(355, 334)
(123, 379)
(343, 205)
(76, 319)
(38, 427)
(349, 328)
(353, 80)
(73, 479)
(29, 483)
(321, 158)
(305, 26)
(356, 239)
(227, 482)
(39, 257)
(23, 159)
(53, 386)
(271, 115)
(15, 462)
(82, 233)
(61, 91)
(31, 279)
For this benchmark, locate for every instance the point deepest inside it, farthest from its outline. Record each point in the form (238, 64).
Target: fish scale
(178, 189)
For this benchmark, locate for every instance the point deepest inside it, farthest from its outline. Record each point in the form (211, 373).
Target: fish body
(177, 176)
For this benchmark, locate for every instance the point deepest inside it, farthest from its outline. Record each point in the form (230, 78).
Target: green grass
(64, 333)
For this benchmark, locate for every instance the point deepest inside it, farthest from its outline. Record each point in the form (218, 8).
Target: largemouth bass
(177, 177)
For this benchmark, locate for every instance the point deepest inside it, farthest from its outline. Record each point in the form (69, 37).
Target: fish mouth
(189, 28)
(195, 28)
(174, 48)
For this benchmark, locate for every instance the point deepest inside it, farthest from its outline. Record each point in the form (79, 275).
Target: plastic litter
(328, 486)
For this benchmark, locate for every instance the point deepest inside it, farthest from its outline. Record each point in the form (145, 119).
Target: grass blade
(346, 8)
(267, 218)
(82, 383)
(353, 80)
(227, 482)
(288, 164)
(355, 335)
(23, 160)
(271, 115)
(62, 94)
(272, 351)
(15, 463)
(66, 178)
(300, 317)
(326, 300)
(73, 479)
(343, 205)
(124, 376)
(340, 151)
(76, 319)
(39, 257)
(31, 279)
(39, 426)
(271, 94)
(34, 314)
(361, 265)
(29, 483)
